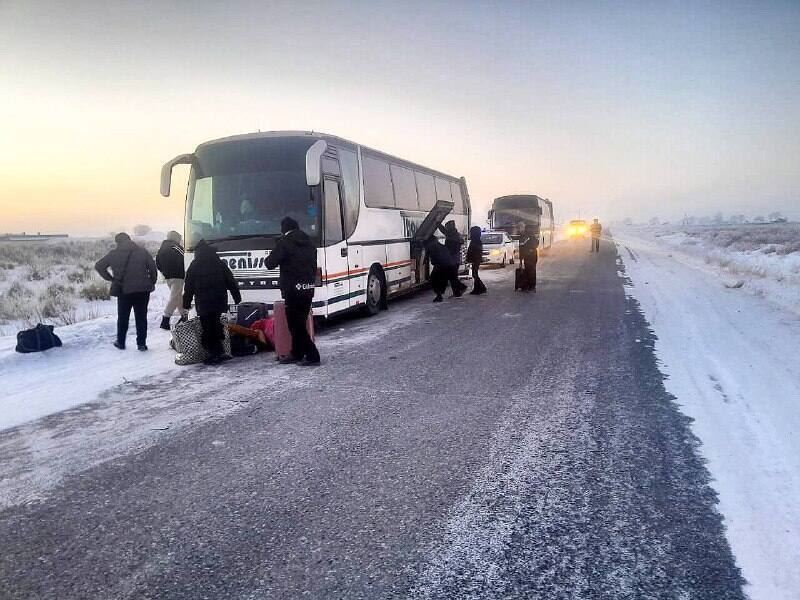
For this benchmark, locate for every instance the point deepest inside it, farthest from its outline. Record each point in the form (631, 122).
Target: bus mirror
(166, 171)
(313, 162)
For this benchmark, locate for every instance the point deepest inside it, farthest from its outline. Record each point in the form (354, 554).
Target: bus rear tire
(376, 293)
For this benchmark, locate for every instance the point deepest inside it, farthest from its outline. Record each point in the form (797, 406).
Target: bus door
(336, 270)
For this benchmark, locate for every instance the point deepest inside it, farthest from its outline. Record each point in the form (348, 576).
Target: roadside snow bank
(763, 260)
(731, 362)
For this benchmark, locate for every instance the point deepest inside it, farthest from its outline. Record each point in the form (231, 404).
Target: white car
(498, 248)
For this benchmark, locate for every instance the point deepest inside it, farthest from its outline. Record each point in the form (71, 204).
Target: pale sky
(611, 109)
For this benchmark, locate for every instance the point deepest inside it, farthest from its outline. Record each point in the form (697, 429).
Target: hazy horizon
(609, 109)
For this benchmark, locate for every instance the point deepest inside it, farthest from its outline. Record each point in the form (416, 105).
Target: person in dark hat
(475, 257)
(296, 257)
(133, 274)
(208, 281)
(169, 261)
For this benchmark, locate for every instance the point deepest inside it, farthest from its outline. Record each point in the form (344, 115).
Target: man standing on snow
(208, 281)
(133, 276)
(296, 257)
(169, 261)
(596, 229)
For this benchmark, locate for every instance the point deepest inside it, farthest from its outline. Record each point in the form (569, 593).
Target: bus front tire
(376, 293)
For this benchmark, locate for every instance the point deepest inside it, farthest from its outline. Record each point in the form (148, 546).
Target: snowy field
(762, 259)
(726, 317)
(55, 282)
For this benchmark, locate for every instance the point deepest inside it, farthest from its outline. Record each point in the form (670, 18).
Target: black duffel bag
(38, 339)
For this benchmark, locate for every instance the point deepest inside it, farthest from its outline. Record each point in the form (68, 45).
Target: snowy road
(505, 446)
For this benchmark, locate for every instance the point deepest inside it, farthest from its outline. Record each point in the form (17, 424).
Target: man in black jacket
(296, 257)
(528, 254)
(475, 257)
(169, 261)
(453, 242)
(208, 281)
(133, 275)
(442, 262)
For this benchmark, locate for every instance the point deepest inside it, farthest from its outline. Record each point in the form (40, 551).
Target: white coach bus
(361, 208)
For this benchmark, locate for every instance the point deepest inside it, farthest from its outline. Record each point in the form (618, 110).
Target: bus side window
(333, 213)
(443, 190)
(426, 191)
(458, 207)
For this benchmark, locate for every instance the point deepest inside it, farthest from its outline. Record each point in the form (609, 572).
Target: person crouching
(208, 281)
(442, 272)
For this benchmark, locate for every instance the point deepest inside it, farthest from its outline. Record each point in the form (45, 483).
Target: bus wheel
(375, 292)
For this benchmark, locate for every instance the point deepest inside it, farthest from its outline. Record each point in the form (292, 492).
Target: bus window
(458, 201)
(377, 183)
(333, 213)
(405, 190)
(443, 189)
(352, 190)
(426, 191)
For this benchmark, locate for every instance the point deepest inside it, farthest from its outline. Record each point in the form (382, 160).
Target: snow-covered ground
(729, 342)
(762, 259)
(69, 408)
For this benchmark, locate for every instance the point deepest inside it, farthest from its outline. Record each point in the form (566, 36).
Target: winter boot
(165, 323)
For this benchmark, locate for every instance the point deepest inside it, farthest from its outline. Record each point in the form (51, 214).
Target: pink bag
(267, 327)
(282, 337)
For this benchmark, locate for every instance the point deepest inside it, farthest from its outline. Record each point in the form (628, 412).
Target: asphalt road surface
(505, 446)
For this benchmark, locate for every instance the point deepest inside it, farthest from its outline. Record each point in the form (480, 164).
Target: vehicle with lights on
(498, 248)
(577, 229)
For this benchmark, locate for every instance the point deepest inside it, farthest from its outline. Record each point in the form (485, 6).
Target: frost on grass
(53, 282)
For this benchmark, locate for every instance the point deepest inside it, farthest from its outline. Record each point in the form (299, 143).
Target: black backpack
(38, 339)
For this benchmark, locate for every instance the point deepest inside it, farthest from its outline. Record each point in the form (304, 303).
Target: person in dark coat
(453, 242)
(169, 261)
(442, 262)
(296, 257)
(475, 257)
(596, 230)
(133, 274)
(208, 281)
(528, 254)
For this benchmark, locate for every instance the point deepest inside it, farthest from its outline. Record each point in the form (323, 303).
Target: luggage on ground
(186, 341)
(267, 328)
(521, 281)
(249, 312)
(283, 337)
(37, 339)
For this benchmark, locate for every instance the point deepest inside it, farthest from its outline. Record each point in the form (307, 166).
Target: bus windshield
(244, 188)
